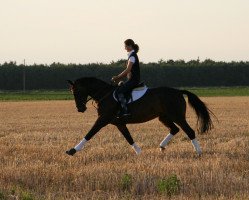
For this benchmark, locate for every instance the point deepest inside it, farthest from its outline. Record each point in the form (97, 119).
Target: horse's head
(80, 95)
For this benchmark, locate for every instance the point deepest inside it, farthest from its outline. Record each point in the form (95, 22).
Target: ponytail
(130, 42)
(136, 48)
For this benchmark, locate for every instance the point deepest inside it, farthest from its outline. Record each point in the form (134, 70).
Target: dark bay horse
(168, 104)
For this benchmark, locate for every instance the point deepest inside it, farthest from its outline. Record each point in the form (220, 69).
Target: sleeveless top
(135, 70)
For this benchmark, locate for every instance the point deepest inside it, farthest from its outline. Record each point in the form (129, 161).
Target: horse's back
(165, 91)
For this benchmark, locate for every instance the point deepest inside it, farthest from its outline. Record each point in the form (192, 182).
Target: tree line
(171, 73)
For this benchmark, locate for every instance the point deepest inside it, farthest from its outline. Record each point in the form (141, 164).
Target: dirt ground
(35, 135)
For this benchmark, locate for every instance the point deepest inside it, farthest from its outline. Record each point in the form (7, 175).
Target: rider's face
(128, 48)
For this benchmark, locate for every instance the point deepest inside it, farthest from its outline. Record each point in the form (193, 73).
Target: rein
(72, 90)
(98, 101)
(91, 98)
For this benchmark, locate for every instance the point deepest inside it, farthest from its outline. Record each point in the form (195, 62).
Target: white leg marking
(80, 146)
(166, 140)
(136, 148)
(196, 146)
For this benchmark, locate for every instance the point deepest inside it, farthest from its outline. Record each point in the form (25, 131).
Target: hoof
(138, 151)
(199, 155)
(71, 152)
(162, 149)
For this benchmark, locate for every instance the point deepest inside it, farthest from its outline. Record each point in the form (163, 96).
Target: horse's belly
(136, 120)
(145, 109)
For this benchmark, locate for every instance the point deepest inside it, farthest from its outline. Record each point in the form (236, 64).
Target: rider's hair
(130, 42)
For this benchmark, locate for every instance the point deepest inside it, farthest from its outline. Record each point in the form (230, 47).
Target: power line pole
(24, 77)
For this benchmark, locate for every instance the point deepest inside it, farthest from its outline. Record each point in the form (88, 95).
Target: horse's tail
(203, 113)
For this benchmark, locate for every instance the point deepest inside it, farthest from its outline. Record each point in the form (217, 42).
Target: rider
(132, 72)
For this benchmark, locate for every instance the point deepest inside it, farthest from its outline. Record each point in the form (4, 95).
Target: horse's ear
(70, 82)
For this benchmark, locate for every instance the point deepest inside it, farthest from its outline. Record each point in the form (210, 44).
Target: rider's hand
(115, 78)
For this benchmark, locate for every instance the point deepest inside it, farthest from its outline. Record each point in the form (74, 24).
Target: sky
(87, 31)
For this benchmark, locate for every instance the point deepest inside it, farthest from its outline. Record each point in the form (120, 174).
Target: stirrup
(123, 114)
(126, 114)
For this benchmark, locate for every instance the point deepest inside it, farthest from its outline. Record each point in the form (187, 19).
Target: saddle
(137, 92)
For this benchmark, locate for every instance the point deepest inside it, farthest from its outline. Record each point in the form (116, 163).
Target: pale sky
(86, 31)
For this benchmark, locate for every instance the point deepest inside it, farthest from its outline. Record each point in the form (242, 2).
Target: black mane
(92, 82)
(94, 86)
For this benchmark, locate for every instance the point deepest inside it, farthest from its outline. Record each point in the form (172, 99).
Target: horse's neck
(98, 89)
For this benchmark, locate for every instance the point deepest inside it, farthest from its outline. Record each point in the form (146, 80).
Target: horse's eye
(71, 89)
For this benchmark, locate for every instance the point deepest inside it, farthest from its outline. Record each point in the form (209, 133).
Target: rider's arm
(125, 72)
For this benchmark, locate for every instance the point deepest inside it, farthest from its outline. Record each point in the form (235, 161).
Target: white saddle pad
(137, 93)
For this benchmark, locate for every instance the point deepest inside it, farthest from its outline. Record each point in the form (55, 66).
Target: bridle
(91, 98)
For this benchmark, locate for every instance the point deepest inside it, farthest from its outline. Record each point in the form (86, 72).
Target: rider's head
(131, 45)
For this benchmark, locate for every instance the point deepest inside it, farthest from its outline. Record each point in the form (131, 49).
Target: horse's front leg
(100, 123)
(126, 133)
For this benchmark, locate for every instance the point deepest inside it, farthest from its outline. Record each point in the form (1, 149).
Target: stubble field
(35, 135)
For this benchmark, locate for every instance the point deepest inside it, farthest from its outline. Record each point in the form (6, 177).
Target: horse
(165, 103)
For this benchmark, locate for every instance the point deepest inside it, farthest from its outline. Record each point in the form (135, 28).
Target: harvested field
(34, 137)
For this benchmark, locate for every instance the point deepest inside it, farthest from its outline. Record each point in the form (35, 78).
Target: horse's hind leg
(125, 132)
(173, 130)
(191, 134)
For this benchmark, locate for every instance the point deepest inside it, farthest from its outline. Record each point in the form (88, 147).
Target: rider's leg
(123, 89)
(123, 103)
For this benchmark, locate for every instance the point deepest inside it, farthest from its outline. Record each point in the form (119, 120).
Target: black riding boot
(124, 110)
